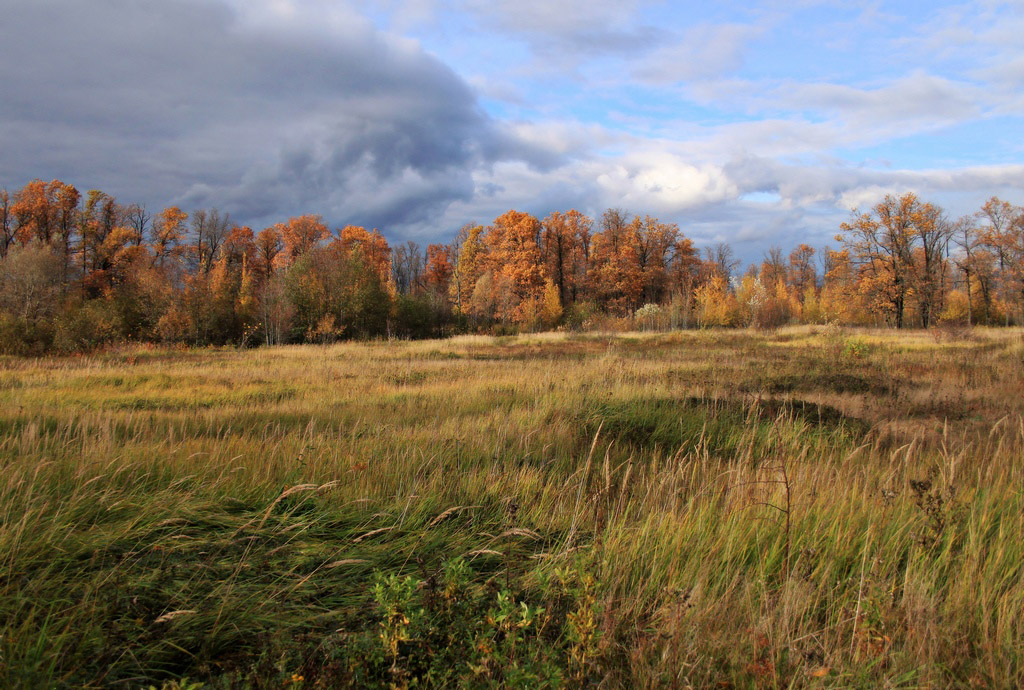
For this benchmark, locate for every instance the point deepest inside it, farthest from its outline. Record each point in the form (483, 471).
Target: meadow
(809, 507)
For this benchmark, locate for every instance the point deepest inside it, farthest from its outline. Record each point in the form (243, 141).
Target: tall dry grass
(807, 508)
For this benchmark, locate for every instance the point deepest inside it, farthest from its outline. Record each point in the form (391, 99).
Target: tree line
(78, 272)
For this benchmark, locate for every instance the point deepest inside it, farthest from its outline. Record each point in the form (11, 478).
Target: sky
(755, 123)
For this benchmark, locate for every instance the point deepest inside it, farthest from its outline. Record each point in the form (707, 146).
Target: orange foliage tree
(372, 246)
(299, 235)
(168, 232)
(881, 242)
(566, 250)
(514, 258)
(439, 270)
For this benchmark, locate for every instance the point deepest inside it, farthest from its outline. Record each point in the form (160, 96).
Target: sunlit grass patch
(165, 392)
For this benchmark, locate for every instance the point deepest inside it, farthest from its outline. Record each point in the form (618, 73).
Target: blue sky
(755, 123)
(826, 105)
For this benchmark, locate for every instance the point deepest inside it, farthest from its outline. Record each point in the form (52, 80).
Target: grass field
(806, 508)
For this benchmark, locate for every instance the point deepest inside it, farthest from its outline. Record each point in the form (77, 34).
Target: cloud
(565, 17)
(701, 52)
(665, 183)
(919, 100)
(802, 202)
(836, 188)
(569, 32)
(267, 108)
(263, 108)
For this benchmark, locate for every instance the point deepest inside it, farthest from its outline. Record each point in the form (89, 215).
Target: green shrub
(447, 630)
(24, 337)
(87, 325)
(856, 348)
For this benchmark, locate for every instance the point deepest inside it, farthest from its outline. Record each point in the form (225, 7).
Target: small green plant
(856, 348)
(449, 630)
(581, 627)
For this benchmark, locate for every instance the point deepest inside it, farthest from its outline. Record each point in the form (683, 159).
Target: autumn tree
(685, 273)
(716, 303)
(299, 235)
(551, 305)
(239, 247)
(140, 294)
(801, 271)
(881, 242)
(514, 258)
(439, 269)
(47, 212)
(652, 244)
(33, 210)
(773, 268)
(616, 277)
(565, 240)
(268, 247)
(168, 230)
(978, 266)
(337, 291)
(469, 253)
(1002, 232)
(841, 297)
(102, 236)
(932, 232)
(371, 245)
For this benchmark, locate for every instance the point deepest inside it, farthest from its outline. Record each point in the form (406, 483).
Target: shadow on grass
(721, 426)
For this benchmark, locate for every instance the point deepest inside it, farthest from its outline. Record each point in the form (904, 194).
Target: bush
(86, 326)
(648, 316)
(581, 316)
(24, 337)
(856, 348)
(772, 314)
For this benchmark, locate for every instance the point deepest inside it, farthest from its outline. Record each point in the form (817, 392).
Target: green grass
(267, 518)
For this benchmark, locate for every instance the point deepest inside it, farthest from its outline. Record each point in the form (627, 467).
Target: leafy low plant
(449, 630)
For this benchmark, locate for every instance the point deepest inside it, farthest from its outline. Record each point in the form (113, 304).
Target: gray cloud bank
(260, 113)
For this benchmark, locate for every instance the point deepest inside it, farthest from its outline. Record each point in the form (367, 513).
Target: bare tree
(138, 219)
(29, 281)
(773, 268)
(966, 236)
(6, 223)
(407, 267)
(210, 228)
(721, 256)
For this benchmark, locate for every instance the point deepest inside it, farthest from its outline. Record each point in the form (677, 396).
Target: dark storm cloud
(199, 103)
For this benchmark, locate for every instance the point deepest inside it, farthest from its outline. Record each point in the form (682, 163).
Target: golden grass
(233, 496)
